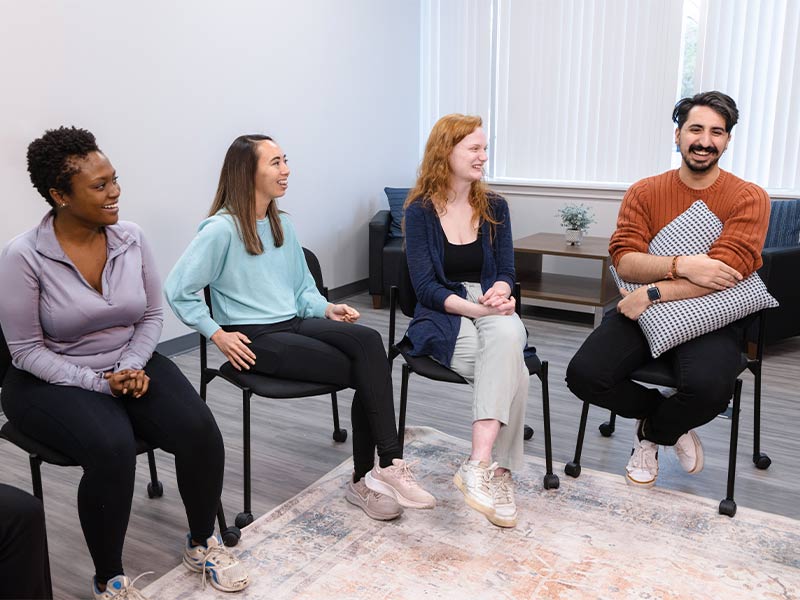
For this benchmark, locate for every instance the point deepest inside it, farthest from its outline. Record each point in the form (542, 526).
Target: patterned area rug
(594, 537)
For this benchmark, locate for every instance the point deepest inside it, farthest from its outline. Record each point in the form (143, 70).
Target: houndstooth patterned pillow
(669, 324)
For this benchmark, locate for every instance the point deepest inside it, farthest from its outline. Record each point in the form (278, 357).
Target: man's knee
(584, 376)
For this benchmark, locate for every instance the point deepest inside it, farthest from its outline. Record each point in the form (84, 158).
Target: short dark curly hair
(50, 157)
(720, 103)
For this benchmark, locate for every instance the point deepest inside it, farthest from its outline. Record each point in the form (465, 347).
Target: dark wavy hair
(51, 157)
(236, 193)
(720, 103)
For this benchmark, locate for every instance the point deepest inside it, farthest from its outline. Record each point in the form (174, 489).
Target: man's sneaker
(399, 482)
(642, 468)
(474, 479)
(690, 452)
(119, 588)
(505, 508)
(225, 571)
(377, 506)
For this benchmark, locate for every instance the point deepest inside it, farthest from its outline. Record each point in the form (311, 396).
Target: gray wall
(166, 86)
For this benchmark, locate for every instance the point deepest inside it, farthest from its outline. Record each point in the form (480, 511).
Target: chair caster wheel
(572, 469)
(551, 481)
(727, 507)
(606, 429)
(231, 536)
(243, 519)
(340, 435)
(528, 432)
(762, 461)
(155, 489)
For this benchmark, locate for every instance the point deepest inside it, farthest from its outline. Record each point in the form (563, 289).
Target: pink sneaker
(399, 482)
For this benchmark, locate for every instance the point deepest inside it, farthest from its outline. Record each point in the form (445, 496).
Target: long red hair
(433, 177)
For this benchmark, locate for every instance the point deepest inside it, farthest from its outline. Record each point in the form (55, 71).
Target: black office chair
(659, 372)
(429, 368)
(39, 453)
(266, 387)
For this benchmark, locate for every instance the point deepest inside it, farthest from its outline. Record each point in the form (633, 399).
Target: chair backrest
(316, 271)
(5, 356)
(406, 296)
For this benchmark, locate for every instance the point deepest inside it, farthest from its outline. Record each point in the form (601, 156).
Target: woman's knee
(507, 332)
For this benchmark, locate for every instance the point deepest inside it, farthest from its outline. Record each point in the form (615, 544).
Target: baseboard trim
(347, 290)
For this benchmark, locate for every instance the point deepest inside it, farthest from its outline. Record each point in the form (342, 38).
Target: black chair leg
(244, 518)
(230, 535)
(760, 460)
(551, 481)
(401, 424)
(154, 488)
(339, 434)
(607, 428)
(573, 468)
(728, 505)
(36, 476)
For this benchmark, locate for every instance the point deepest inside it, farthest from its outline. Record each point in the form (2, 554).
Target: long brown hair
(236, 193)
(433, 177)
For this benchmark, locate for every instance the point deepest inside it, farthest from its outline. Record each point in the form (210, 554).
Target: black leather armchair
(780, 272)
(385, 254)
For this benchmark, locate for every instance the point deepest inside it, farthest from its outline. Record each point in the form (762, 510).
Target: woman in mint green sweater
(269, 317)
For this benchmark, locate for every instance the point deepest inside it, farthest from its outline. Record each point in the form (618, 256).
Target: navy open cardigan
(432, 331)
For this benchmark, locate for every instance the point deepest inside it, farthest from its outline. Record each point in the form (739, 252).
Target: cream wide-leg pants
(488, 354)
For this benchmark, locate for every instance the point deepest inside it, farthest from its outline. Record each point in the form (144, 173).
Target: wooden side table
(598, 292)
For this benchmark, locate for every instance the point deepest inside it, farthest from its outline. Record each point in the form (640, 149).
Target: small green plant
(576, 216)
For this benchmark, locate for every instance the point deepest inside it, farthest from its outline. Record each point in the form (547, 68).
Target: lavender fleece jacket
(62, 330)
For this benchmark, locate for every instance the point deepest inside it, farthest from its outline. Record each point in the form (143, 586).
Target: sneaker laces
(485, 480)
(644, 457)
(403, 471)
(503, 490)
(225, 560)
(131, 593)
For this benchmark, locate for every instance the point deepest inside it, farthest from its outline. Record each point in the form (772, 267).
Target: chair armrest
(378, 234)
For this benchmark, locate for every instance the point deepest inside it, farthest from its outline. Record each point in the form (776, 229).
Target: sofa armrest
(378, 235)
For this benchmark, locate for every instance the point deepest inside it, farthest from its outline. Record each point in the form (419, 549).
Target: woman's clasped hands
(133, 382)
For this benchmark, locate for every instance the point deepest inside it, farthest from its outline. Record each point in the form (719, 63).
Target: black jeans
(98, 431)
(706, 368)
(345, 354)
(24, 568)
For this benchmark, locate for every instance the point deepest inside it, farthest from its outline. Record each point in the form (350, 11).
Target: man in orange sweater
(599, 372)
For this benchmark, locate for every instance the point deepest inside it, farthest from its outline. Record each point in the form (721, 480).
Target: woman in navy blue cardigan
(461, 261)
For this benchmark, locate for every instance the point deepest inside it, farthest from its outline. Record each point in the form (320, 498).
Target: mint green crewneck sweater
(268, 288)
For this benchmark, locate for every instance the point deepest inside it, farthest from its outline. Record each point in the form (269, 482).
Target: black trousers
(24, 568)
(98, 432)
(350, 355)
(706, 368)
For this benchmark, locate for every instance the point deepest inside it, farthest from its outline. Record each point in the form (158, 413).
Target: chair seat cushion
(47, 454)
(427, 367)
(660, 372)
(275, 387)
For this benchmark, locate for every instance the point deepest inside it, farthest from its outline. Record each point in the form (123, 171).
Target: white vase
(574, 237)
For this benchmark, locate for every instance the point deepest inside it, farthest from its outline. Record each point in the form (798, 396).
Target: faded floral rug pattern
(594, 537)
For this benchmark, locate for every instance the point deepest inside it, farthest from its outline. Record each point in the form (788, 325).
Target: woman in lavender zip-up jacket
(82, 316)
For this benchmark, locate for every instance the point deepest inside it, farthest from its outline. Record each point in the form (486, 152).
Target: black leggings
(24, 568)
(97, 431)
(350, 355)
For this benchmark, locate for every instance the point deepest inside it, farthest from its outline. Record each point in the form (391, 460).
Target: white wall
(166, 85)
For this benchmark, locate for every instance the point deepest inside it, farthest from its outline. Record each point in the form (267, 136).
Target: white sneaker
(505, 507)
(474, 479)
(225, 571)
(119, 588)
(690, 452)
(642, 468)
(398, 481)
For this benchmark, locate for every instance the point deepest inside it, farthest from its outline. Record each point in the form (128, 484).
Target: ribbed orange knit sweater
(651, 203)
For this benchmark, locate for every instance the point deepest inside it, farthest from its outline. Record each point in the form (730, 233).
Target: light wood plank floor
(292, 447)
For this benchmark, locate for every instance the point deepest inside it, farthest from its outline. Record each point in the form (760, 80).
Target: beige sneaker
(505, 507)
(690, 452)
(474, 479)
(399, 482)
(642, 468)
(377, 506)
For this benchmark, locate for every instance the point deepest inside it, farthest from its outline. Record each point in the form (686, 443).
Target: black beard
(693, 167)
